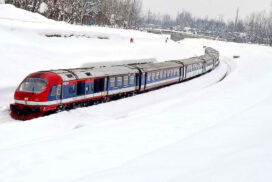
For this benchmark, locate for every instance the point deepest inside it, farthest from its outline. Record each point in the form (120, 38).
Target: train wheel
(60, 108)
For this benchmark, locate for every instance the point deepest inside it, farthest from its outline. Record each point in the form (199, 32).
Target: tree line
(255, 28)
(116, 12)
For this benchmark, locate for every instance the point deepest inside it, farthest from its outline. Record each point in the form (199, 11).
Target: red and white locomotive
(45, 92)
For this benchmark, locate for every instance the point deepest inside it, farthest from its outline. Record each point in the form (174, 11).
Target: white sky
(212, 8)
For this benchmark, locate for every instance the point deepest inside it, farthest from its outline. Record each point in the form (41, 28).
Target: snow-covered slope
(201, 130)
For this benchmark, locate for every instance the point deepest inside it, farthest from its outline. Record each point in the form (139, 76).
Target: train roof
(206, 57)
(193, 60)
(103, 71)
(211, 51)
(157, 66)
(83, 73)
(112, 71)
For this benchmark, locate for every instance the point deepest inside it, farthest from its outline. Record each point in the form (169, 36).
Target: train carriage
(192, 67)
(208, 62)
(213, 53)
(159, 74)
(119, 79)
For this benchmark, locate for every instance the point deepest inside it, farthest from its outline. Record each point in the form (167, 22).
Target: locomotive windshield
(33, 85)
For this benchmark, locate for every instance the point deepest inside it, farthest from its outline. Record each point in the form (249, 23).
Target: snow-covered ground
(201, 130)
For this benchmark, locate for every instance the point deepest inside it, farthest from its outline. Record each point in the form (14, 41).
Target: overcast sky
(212, 8)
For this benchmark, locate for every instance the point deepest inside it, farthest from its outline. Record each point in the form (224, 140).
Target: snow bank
(9, 12)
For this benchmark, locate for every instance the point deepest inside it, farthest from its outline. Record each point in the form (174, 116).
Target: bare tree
(236, 19)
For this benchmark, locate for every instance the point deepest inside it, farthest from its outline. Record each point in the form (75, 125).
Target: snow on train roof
(206, 57)
(110, 71)
(157, 66)
(64, 74)
(189, 61)
(83, 73)
(211, 51)
(120, 62)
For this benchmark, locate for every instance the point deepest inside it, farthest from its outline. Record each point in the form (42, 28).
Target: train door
(106, 86)
(55, 94)
(181, 74)
(144, 80)
(138, 81)
(59, 94)
(81, 91)
(99, 85)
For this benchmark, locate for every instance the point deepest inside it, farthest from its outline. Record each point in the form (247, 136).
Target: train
(45, 92)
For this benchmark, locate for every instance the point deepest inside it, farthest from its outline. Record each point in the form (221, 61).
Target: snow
(43, 7)
(200, 130)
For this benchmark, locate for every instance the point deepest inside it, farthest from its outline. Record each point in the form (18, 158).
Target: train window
(87, 88)
(161, 74)
(54, 91)
(72, 89)
(59, 90)
(131, 80)
(148, 77)
(112, 82)
(119, 81)
(88, 73)
(69, 75)
(164, 74)
(125, 80)
(33, 85)
(157, 75)
(153, 76)
(169, 73)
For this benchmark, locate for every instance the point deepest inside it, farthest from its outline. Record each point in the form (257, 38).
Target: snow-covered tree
(43, 8)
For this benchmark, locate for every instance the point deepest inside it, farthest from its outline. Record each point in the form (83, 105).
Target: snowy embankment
(200, 130)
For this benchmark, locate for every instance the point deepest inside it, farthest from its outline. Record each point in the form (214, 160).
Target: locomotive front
(31, 97)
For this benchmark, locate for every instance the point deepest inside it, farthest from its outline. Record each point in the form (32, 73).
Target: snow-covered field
(201, 130)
